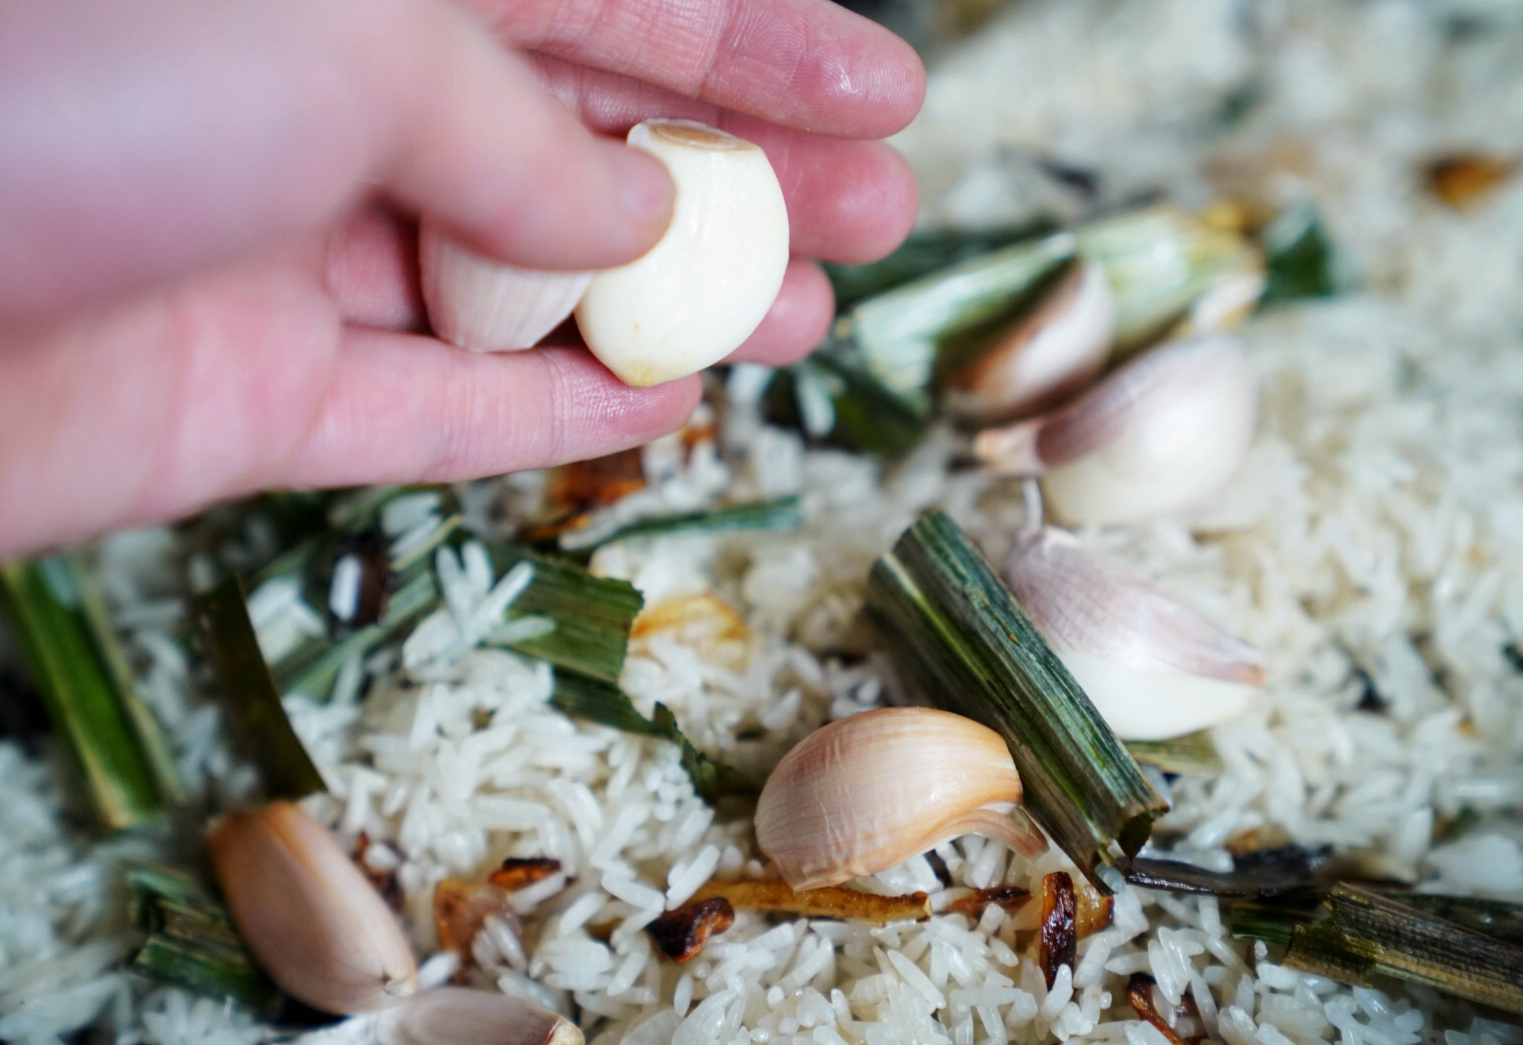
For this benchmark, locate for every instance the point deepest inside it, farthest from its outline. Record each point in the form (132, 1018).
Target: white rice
(1375, 527)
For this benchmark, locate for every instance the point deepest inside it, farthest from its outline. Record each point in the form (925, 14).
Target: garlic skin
(1153, 667)
(487, 306)
(705, 287)
(1156, 435)
(316, 925)
(1048, 355)
(863, 794)
(461, 1016)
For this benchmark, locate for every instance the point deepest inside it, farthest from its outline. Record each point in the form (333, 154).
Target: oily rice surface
(1370, 546)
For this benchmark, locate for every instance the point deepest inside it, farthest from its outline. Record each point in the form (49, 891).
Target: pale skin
(208, 276)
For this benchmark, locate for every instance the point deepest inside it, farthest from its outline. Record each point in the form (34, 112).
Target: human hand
(208, 277)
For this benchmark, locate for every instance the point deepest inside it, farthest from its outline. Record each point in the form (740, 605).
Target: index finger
(802, 63)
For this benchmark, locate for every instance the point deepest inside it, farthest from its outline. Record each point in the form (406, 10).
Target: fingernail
(645, 189)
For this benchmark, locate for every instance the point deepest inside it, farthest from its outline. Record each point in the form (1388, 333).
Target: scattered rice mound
(1372, 546)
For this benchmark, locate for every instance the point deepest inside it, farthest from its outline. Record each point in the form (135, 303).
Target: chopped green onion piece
(60, 619)
(1194, 754)
(781, 514)
(312, 669)
(1365, 933)
(1301, 262)
(592, 615)
(712, 780)
(921, 254)
(191, 941)
(1159, 261)
(958, 633)
(250, 694)
(899, 334)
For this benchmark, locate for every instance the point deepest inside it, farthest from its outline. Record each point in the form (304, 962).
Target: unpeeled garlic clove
(1156, 435)
(704, 288)
(1049, 354)
(863, 794)
(487, 306)
(460, 1016)
(1153, 667)
(316, 925)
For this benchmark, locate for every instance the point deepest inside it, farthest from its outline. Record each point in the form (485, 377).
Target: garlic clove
(1152, 666)
(705, 287)
(461, 1016)
(1156, 435)
(863, 794)
(487, 306)
(1048, 355)
(316, 925)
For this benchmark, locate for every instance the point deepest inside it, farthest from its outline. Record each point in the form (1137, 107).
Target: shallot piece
(705, 287)
(1156, 435)
(1153, 667)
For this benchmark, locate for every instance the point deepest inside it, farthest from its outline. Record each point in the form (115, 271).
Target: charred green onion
(61, 621)
(958, 633)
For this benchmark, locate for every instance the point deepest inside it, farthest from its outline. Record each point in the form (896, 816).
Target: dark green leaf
(1301, 262)
(602, 702)
(713, 780)
(592, 615)
(249, 692)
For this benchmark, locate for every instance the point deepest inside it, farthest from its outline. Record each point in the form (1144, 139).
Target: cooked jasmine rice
(1372, 546)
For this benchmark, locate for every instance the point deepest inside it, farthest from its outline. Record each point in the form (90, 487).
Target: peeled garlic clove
(487, 306)
(1046, 356)
(698, 293)
(460, 1016)
(1153, 667)
(316, 925)
(868, 792)
(1156, 435)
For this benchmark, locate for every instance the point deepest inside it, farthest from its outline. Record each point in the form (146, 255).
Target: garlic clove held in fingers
(1153, 667)
(460, 1016)
(705, 287)
(308, 914)
(863, 794)
(1156, 435)
(1048, 355)
(486, 305)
